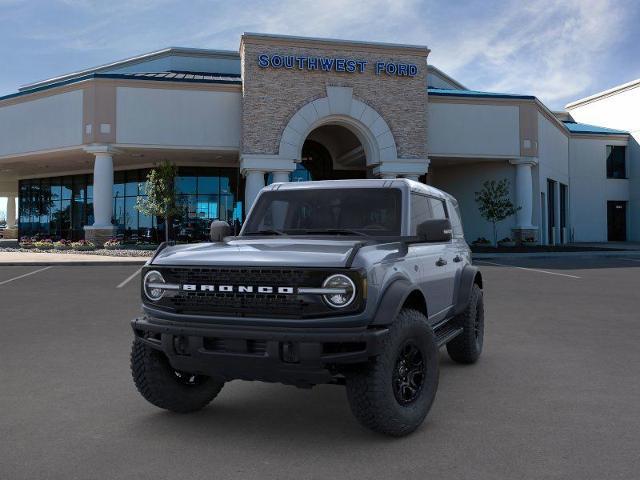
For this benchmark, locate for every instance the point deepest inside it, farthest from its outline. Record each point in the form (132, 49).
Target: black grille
(250, 304)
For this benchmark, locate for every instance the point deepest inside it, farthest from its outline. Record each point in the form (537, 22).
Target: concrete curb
(72, 264)
(609, 253)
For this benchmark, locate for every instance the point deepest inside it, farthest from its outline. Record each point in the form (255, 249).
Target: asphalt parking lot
(555, 395)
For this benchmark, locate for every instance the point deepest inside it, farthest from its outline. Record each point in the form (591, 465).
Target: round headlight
(343, 291)
(152, 284)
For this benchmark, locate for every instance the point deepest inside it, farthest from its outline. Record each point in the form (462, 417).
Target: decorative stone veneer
(272, 96)
(9, 233)
(98, 236)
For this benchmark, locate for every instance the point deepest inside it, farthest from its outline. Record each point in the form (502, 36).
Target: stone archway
(340, 108)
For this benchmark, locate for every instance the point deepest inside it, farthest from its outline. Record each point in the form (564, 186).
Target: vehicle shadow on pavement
(264, 411)
(247, 412)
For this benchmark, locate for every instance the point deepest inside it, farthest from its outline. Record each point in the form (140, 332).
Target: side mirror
(218, 230)
(435, 230)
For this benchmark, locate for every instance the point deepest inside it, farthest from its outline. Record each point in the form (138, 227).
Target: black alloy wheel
(409, 374)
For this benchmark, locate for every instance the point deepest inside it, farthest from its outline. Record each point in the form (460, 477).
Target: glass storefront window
(186, 184)
(118, 185)
(208, 185)
(67, 188)
(60, 207)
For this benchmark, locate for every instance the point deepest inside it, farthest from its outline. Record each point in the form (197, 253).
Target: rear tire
(393, 393)
(164, 387)
(467, 347)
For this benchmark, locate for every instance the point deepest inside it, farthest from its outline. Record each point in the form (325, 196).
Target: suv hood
(277, 252)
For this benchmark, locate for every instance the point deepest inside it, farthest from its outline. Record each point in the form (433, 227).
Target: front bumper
(298, 356)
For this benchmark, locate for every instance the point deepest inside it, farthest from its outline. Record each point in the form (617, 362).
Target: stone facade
(98, 236)
(272, 96)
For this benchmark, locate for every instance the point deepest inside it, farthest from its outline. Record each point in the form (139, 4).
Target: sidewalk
(634, 254)
(32, 258)
(609, 249)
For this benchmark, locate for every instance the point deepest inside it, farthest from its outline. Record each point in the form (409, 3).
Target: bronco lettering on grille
(190, 287)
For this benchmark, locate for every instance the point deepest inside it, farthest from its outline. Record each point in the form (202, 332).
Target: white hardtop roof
(361, 183)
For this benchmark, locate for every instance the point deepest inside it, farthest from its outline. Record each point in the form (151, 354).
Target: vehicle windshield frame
(394, 224)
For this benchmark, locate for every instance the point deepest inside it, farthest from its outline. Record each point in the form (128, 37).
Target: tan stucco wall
(271, 96)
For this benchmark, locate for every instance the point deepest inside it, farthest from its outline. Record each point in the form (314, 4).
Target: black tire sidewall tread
(370, 387)
(464, 348)
(155, 380)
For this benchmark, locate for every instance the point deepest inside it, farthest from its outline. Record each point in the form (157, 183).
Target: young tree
(494, 203)
(161, 199)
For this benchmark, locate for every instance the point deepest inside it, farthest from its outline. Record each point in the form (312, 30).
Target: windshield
(321, 211)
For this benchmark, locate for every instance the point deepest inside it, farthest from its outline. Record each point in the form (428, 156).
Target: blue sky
(557, 50)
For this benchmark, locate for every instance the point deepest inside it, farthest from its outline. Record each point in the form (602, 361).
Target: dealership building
(75, 149)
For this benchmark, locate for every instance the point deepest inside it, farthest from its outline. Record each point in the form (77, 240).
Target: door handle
(441, 262)
(457, 258)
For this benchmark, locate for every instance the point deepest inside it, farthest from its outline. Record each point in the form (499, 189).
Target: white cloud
(546, 48)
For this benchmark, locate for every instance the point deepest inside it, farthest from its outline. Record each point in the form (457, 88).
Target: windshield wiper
(337, 231)
(266, 232)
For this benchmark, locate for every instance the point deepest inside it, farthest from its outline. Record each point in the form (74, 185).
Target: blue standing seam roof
(225, 78)
(585, 128)
(445, 92)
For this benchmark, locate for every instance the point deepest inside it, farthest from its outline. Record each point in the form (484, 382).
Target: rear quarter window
(455, 219)
(437, 208)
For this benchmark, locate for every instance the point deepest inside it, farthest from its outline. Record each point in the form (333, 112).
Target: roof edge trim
(115, 76)
(133, 61)
(603, 94)
(418, 49)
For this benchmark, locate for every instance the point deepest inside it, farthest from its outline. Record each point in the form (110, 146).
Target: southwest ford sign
(334, 64)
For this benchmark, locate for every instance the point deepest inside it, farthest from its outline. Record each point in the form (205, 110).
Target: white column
(253, 166)
(280, 176)
(11, 212)
(254, 183)
(103, 190)
(402, 167)
(524, 192)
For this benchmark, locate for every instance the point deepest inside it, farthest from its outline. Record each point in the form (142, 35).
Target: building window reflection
(60, 207)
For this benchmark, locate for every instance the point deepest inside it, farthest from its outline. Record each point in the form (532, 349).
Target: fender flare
(392, 300)
(467, 279)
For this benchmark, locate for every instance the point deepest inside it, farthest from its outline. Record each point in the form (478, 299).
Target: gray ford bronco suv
(349, 282)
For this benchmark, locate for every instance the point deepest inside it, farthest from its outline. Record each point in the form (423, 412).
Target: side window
(454, 216)
(420, 211)
(616, 165)
(437, 207)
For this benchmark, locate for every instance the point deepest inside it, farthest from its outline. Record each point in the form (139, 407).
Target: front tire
(167, 388)
(467, 347)
(393, 393)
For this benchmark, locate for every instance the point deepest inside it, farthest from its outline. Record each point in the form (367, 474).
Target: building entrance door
(551, 212)
(332, 152)
(617, 221)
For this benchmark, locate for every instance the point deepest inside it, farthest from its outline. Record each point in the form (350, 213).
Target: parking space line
(25, 275)
(129, 278)
(529, 269)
